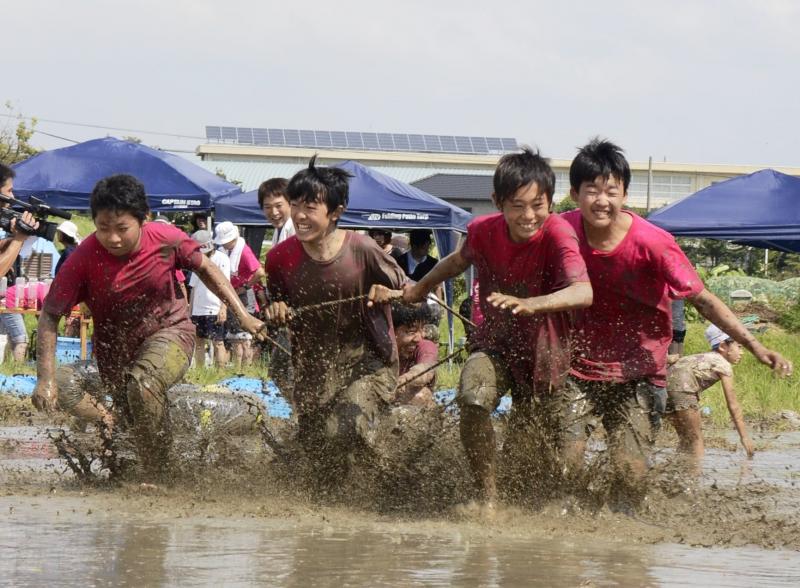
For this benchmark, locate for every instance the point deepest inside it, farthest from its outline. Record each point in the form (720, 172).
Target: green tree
(15, 136)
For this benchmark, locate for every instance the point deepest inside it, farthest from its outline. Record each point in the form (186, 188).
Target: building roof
(461, 186)
(252, 173)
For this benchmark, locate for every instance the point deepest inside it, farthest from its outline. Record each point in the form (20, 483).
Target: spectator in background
(678, 327)
(199, 222)
(274, 203)
(208, 312)
(10, 247)
(67, 236)
(416, 262)
(245, 272)
(383, 237)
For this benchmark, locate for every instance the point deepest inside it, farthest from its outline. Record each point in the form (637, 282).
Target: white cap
(225, 233)
(70, 230)
(204, 238)
(715, 336)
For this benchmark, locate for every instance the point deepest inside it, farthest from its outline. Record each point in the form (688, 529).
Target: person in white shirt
(274, 203)
(208, 312)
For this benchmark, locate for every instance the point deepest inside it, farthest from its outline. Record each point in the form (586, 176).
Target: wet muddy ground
(737, 527)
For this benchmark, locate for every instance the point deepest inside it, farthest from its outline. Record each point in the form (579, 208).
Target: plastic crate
(68, 349)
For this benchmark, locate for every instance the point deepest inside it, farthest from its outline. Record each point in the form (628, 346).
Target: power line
(94, 126)
(56, 136)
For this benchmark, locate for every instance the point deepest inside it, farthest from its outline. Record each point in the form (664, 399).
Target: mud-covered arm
(45, 394)
(215, 280)
(417, 382)
(716, 311)
(736, 413)
(576, 295)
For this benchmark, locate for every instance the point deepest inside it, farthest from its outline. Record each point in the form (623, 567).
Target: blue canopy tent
(760, 210)
(376, 200)
(64, 178)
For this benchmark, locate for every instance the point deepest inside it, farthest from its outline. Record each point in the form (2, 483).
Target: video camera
(38, 209)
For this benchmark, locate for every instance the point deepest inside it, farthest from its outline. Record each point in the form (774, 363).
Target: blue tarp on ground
(760, 210)
(64, 178)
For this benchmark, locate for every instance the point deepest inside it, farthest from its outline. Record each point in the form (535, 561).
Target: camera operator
(12, 324)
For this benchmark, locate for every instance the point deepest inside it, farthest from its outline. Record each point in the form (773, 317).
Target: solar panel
(244, 135)
(417, 142)
(432, 143)
(464, 145)
(292, 137)
(385, 141)
(448, 143)
(323, 138)
(479, 144)
(339, 139)
(361, 141)
(495, 145)
(260, 137)
(276, 137)
(229, 134)
(354, 140)
(307, 139)
(370, 141)
(509, 144)
(401, 142)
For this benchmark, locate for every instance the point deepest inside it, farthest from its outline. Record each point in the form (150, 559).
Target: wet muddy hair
(404, 315)
(272, 187)
(599, 157)
(517, 170)
(120, 193)
(328, 185)
(6, 173)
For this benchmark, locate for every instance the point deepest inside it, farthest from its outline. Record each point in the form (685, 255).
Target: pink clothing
(248, 265)
(625, 334)
(131, 298)
(24, 300)
(535, 348)
(425, 352)
(475, 303)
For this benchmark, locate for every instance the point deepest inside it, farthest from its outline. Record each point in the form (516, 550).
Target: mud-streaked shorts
(680, 400)
(160, 363)
(347, 403)
(629, 411)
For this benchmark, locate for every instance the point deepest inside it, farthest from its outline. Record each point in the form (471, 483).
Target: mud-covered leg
(160, 364)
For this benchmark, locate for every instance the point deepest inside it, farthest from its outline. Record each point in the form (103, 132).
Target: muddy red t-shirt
(340, 335)
(625, 334)
(132, 297)
(536, 348)
(426, 351)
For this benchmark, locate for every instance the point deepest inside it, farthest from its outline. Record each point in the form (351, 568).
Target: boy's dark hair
(6, 173)
(411, 314)
(517, 170)
(419, 237)
(599, 157)
(272, 187)
(120, 193)
(320, 184)
(379, 231)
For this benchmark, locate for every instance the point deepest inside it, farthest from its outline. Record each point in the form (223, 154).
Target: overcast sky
(690, 81)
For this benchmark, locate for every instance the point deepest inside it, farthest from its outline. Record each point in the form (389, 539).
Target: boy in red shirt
(531, 273)
(417, 354)
(621, 341)
(143, 337)
(344, 354)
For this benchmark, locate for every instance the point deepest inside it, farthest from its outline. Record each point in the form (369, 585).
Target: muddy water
(54, 540)
(53, 532)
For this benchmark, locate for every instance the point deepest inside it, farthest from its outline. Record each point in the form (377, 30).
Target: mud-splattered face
(118, 232)
(312, 220)
(408, 337)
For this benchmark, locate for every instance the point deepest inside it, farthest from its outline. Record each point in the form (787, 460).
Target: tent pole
(649, 182)
(766, 261)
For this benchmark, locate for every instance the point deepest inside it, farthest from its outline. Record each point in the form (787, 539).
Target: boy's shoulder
(706, 361)
(647, 233)
(486, 223)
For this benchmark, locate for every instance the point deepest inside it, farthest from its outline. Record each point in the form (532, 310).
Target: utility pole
(649, 182)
